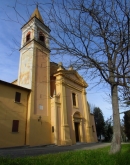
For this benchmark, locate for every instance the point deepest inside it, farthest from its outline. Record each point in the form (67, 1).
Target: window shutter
(17, 97)
(41, 37)
(15, 125)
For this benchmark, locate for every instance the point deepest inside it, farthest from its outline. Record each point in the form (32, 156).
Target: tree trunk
(116, 140)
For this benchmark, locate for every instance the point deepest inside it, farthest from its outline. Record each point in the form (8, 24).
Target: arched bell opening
(28, 36)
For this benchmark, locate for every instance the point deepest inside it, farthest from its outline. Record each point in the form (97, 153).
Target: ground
(40, 150)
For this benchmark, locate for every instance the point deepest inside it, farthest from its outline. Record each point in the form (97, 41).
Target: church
(47, 104)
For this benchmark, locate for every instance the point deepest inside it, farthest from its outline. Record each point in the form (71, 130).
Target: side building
(47, 103)
(13, 114)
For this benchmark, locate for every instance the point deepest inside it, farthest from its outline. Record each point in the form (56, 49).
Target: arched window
(41, 37)
(28, 37)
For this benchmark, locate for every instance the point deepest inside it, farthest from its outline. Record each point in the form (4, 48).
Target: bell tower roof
(37, 14)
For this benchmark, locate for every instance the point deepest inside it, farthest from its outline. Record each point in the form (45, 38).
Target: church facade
(47, 103)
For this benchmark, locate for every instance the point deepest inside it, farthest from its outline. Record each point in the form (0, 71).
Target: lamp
(39, 118)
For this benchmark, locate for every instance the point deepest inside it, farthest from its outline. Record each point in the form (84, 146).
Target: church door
(76, 131)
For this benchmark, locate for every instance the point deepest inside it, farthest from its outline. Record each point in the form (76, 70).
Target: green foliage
(84, 157)
(108, 130)
(127, 124)
(103, 127)
(99, 121)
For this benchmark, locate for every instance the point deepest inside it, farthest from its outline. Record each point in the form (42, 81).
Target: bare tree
(95, 33)
(91, 106)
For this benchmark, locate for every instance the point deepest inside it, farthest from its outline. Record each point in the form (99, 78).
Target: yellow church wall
(41, 80)
(74, 86)
(26, 67)
(69, 113)
(94, 133)
(38, 127)
(52, 86)
(56, 120)
(43, 119)
(41, 83)
(72, 110)
(9, 111)
(87, 119)
(59, 123)
(64, 130)
(53, 136)
(39, 131)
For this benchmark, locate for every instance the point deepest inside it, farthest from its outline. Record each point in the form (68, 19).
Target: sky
(10, 39)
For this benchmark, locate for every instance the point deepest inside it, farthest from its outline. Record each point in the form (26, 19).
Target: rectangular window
(74, 99)
(15, 125)
(17, 97)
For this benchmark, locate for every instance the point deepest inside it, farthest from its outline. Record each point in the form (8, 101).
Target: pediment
(72, 75)
(75, 77)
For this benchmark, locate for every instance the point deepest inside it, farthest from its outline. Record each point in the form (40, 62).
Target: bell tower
(34, 66)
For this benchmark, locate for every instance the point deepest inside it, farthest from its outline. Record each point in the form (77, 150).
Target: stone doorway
(77, 133)
(77, 125)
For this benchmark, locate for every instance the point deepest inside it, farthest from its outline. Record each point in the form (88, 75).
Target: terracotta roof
(13, 85)
(37, 14)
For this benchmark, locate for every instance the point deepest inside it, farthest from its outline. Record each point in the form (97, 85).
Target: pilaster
(65, 131)
(55, 121)
(88, 127)
(81, 132)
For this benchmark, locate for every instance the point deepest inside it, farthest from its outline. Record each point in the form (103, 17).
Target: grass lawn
(85, 157)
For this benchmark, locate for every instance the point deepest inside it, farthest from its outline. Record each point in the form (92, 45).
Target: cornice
(37, 43)
(64, 73)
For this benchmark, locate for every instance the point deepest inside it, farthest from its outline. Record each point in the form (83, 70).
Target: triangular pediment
(74, 76)
(70, 74)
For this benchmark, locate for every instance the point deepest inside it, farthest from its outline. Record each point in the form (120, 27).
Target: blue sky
(10, 38)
